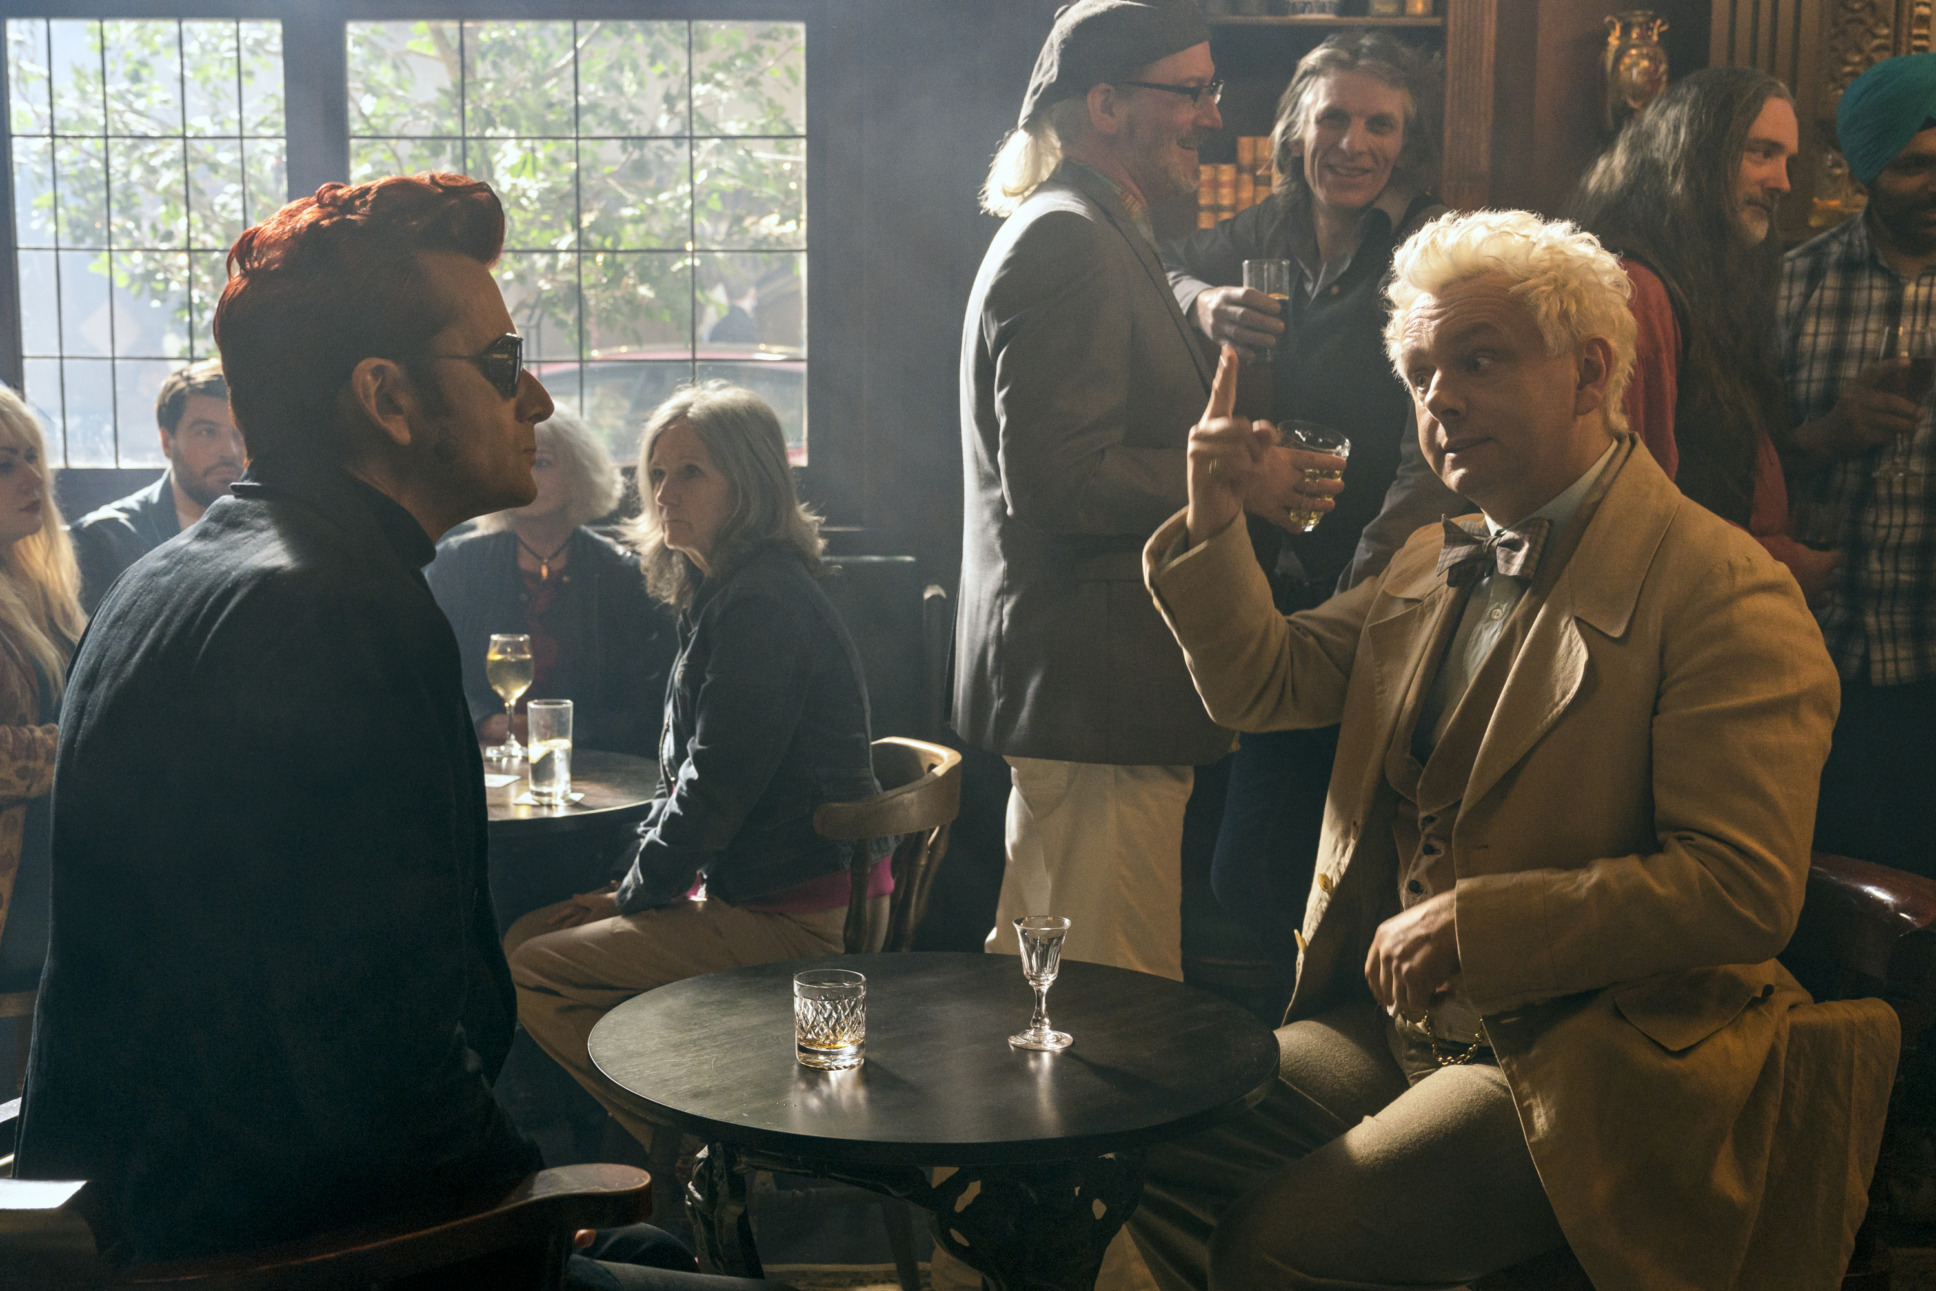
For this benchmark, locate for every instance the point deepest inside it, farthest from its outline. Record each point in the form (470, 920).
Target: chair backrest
(919, 799)
(1868, 930)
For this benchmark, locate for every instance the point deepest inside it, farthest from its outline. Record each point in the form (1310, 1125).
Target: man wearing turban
(1864, 483)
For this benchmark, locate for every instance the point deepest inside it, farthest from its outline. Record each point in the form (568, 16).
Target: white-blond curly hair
(1574, 288)
(592, 485)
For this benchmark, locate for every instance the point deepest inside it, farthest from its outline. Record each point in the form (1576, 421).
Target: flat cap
(1106, 40)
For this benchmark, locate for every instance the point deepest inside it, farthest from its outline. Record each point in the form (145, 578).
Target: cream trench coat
(1631, 849)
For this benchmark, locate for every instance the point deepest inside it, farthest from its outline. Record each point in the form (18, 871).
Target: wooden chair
(517, 1241)
(919, 800)
(1866, 931)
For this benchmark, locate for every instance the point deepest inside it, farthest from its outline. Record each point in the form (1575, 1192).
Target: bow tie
(1469, 550)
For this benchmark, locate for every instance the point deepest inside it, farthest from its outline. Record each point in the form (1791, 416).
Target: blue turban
(1885, 108)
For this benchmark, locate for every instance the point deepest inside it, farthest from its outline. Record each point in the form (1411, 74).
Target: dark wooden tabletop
(1152, 1059)
(618, 787)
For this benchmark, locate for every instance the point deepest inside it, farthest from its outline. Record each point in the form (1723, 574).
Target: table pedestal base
(1036, 1227)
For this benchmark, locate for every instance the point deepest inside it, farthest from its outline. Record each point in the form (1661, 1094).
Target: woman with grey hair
(597, 639)
(1355, 148)
(765, 719)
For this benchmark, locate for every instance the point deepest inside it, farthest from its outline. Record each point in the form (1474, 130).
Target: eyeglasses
(501, 362)
(1194, 93)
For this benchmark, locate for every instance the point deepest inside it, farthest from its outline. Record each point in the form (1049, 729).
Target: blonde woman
(765, 719)
(597, 638)
(40, 620)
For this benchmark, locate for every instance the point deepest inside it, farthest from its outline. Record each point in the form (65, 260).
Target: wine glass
(1916, 347)
(1041, 937)
(507, 666)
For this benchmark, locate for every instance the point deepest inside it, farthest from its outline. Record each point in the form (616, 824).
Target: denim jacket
(766, 718)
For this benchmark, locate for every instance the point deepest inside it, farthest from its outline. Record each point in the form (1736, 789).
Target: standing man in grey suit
(1080, 380)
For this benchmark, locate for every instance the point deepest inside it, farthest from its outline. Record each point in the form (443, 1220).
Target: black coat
(113, 537)
(275, 997)
(615, 643)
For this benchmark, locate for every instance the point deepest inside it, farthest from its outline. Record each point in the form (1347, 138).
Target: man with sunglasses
(275, 1000)
(1080, 379)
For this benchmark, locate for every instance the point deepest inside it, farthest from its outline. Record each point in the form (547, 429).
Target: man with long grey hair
(1079, 380)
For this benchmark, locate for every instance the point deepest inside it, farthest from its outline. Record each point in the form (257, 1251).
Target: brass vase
(1635, 65)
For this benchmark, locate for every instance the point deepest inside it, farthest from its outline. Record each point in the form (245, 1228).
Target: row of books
(1223, 190)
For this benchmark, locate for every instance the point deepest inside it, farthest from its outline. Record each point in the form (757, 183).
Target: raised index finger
(1223, 390)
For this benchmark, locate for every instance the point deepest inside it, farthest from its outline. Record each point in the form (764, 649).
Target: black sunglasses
(501, 362)
(1194, 93)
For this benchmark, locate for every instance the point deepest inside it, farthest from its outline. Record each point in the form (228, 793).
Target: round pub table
(617, 789)
(1055, 1141)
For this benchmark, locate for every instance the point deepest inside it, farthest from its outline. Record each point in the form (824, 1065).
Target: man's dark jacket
(615, 643)
(113, 537)
(275, 997)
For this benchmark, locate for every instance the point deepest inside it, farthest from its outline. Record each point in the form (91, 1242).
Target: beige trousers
(570, 979)
(1355, 1173)
(1102, 845)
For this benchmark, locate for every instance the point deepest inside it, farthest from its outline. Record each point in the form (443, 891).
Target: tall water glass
(1915, 347)
(830, 1018)
(550, 753)
(1041, 936)
(1273, 278)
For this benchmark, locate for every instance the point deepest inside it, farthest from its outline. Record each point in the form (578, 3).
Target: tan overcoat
(1631, 851)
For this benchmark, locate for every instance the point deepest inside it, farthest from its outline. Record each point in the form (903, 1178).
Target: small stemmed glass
(507, 666)
(1041, 937)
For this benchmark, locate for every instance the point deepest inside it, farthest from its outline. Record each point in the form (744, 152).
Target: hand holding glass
(550, 752)
(1317, 439)
(1915, 348)
(507, 666)
(1041, 937)
(830, 1018)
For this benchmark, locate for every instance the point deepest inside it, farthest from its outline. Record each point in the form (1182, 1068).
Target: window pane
(89, 387)
(150, 303)
(375, 158)
(86, 325)
(637, 305)
(750, 194)
(208, 274)
(632, 78)
(42, 391)
(39, 304)
(518, 78)
(541, 291)
(620, 396)
(144, 77)
(266, 171)
(136, 383)
(261, 46)
(147, 193)
(209, 70)
(783, 384)
(33, 192)
(403, 79)
(752, 302)
(636, 193)
(27, 84)
(81, 192)
(536, 181)
(214, 192)
(749, 78)
(77, 77)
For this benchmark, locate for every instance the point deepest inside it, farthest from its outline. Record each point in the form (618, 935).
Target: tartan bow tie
(1469, 549)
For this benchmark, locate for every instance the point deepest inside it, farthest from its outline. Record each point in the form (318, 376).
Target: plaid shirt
(1837, 298)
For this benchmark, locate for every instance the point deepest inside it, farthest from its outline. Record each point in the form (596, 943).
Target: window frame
(316, 131)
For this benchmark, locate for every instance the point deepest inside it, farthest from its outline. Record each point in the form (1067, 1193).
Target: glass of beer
(1317, 439)
(1916, 347)
(830, 1018)
(1041, 936)
(550, 752)
(507, 666)
(1273, 278)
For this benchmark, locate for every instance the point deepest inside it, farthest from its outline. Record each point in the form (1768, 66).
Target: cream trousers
(1102, 845)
